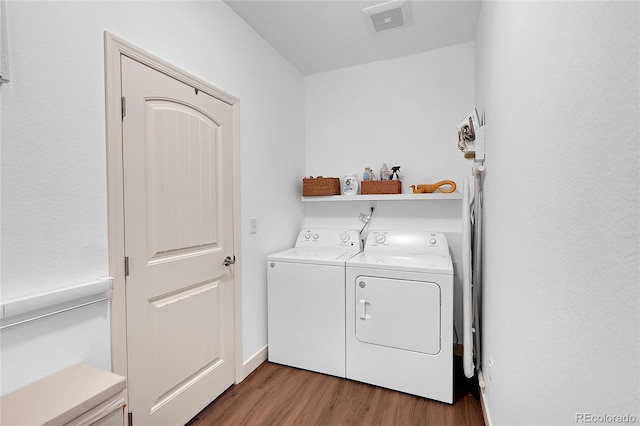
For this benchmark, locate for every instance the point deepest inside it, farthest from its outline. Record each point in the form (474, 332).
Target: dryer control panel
(328, 238)
(414, 242)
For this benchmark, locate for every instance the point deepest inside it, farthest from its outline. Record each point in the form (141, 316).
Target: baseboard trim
(485, 409)
(253, 363)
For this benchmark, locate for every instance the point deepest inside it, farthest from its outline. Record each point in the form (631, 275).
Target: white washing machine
(306, 300)
(399, 307)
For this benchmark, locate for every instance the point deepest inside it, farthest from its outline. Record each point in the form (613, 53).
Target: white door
(177, 156)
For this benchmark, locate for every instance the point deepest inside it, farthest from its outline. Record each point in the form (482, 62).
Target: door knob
(229, 261)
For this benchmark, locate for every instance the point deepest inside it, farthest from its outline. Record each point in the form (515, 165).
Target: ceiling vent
(389, 15)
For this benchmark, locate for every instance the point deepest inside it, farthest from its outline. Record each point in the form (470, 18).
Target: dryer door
(398, 313)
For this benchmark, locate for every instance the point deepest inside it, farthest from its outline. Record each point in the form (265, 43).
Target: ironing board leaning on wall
(471, 141)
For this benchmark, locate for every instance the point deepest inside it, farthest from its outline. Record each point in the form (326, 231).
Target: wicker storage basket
(381, 187)
(312, 187)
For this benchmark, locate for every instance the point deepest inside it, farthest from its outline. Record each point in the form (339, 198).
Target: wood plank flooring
(276, 395)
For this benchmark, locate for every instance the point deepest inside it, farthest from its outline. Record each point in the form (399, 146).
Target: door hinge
(123, 105)
(126, 266)
(130, 418)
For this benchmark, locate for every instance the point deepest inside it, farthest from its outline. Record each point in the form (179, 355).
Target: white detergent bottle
(350, 185)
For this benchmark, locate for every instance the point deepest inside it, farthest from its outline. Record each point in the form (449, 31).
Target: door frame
(114, 48)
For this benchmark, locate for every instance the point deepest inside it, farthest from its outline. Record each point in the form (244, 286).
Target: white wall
(559, 84)
(54, 225)
(400, 111)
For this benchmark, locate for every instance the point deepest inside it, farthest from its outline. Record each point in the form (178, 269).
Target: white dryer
(399, 307)
(306, 300)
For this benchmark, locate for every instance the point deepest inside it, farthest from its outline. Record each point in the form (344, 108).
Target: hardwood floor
(278, 395)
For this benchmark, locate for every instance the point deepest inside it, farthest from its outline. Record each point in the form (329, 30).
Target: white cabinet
(80, 395)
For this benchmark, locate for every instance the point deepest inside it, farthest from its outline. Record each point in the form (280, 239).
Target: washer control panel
(328, 238)
(416, 242)
(380, 238)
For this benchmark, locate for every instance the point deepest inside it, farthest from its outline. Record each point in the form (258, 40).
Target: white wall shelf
(386, 197)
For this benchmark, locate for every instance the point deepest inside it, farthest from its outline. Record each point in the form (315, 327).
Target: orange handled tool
(428, 188)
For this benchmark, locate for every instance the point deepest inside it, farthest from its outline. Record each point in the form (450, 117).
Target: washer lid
(403, 262)
(314, 256)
